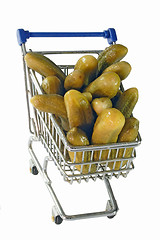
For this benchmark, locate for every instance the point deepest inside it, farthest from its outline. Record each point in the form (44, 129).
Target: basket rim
(92, 147)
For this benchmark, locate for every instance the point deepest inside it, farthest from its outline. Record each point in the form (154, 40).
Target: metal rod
(23, 48)
(40, 170)
(69, 52)
(110, 193)
(90, 215)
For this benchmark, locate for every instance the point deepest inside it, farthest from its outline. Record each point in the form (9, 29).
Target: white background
(25, 203)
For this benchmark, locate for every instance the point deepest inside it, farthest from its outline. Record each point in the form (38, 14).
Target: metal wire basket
(45, 127)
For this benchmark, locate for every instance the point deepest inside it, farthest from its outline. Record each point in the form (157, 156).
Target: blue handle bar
(23, 35)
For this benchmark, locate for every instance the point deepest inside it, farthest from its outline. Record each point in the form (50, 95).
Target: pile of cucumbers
(88, 102)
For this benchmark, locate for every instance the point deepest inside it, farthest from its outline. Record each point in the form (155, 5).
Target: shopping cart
(45, 128)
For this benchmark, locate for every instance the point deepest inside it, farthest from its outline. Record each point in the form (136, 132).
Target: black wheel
(110, 217)
(34, 170)
(58, 220)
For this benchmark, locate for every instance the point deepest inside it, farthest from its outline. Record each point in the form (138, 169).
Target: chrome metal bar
(90, 215)
(111, 212)
(44, 175)
(111, 195)
(101, 147)
(23, 48)
(69, 52)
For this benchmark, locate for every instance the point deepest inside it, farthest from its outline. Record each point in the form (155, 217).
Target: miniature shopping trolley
(45, 128)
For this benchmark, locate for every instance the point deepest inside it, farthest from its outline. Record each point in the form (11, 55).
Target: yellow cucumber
(78, 137)
(43, 65)
(127, 101)
(129, 133)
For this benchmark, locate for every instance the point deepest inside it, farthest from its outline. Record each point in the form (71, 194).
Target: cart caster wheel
(34, 170)
(57, 219)
(110, 217)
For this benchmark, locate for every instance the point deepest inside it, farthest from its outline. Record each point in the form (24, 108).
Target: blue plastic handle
(23, 35)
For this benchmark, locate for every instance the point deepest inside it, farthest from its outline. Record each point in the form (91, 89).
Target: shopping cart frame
(45, 128)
